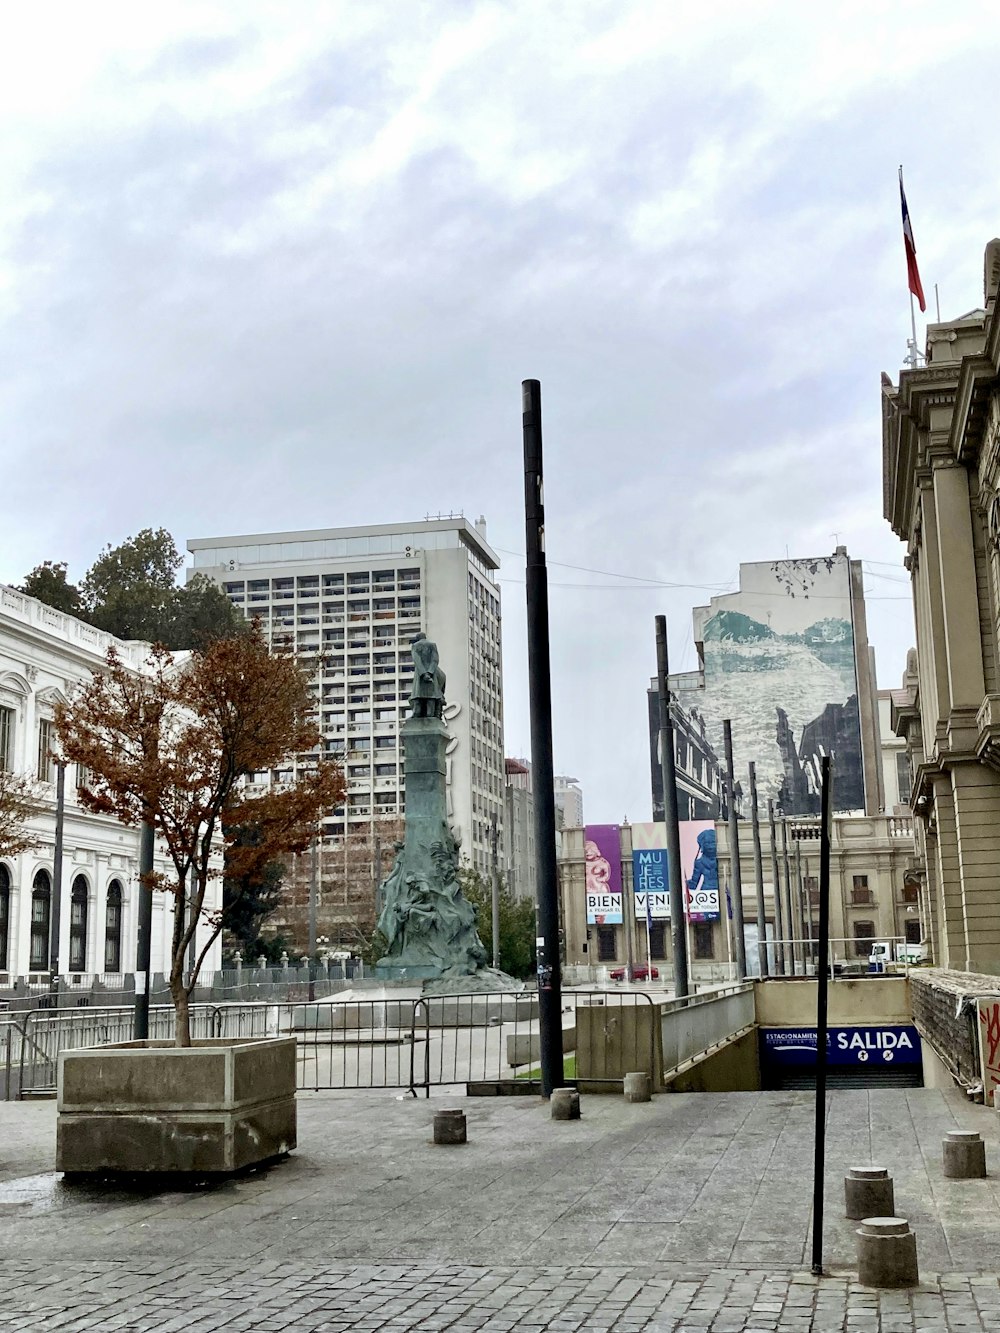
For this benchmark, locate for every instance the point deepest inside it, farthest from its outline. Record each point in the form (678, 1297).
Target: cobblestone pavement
(692, 1212)
(134, 1296)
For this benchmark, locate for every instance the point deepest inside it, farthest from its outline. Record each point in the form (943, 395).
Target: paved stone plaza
(691, 1212)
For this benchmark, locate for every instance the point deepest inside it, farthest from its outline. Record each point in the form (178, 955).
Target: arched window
(78, 925)
(41, 903)
(4, 915)
(113, 929)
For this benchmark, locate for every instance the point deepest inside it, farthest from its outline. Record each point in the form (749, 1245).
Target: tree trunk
(179, 995)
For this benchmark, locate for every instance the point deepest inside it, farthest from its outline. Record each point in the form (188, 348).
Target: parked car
(639, 973)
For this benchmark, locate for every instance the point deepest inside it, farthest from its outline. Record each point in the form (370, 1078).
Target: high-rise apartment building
(569, 801)
(350, 600)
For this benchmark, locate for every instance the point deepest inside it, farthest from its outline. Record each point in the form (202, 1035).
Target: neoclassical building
(941, 474)
(43, 655)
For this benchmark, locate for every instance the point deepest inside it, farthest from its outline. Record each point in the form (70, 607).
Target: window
(912, 932)
(605, 944)
(911, 892)
(113, 929)
(864, 933)
(658, 940)
(811, 885)
(4, 915)
(903, 779)
(45, 750)
(704, 940)
(6, 737)
(78, 926)
(41, 899)
(861, 894)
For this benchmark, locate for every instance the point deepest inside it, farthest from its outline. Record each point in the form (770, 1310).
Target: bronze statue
(427, 694)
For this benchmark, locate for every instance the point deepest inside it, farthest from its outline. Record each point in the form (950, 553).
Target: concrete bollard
(887, 1253)
(449, 1127)
(638, 1087)
(868, 1192)
(964, 1155)
(565, 1104)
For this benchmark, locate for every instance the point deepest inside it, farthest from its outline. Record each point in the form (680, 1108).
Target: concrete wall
(734, 1067)
(866, 1000)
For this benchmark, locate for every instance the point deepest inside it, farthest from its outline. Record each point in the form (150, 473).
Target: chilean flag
(912, 272)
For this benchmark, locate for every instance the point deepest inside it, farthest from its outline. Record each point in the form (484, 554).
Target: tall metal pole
(789, 897)
(735, 876)
(678, 926)
(758, 875)
(495, 888)
(779, 925)
(144, 937)
(55, 912)
(313, 898)
(822, 979)
(540, 703)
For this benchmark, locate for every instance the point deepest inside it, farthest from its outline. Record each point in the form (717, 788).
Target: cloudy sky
(269, 266)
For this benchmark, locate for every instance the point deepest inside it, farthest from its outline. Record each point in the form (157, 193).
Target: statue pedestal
(385, 970)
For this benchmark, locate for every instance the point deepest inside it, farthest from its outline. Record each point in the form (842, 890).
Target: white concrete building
(519, 830)
(569, 802)
(350, 601)
(43, 655)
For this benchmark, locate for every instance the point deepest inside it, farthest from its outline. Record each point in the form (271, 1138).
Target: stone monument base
(485, 981)
(396, 972)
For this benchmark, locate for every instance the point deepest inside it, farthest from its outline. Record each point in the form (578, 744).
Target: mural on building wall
(779, 662)
(649, 871)
(699, 869)
(603, 873)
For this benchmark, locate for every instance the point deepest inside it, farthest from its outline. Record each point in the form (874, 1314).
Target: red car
(639, 973)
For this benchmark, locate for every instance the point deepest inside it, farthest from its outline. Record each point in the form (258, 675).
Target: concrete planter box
(149, 1106)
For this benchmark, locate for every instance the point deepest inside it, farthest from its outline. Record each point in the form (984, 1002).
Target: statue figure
(427, 694)
(429, 926)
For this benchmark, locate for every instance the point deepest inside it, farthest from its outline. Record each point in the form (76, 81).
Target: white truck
(885, 952)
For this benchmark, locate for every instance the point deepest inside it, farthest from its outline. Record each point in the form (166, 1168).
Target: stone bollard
(887, 1253)
(868, 1192)
(964, 1155)
(638, 1087)
(449, 1127)
(565, 1104)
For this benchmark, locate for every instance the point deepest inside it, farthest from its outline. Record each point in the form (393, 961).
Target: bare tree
(175, 746)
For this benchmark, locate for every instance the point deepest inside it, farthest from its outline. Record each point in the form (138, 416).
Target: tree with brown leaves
(175, 747)
(18, 803)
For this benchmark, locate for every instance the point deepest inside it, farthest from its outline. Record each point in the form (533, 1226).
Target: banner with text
(649, 872)
(699, 869)
(603, 868)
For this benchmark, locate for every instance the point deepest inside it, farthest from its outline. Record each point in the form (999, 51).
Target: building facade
(569, 801)
(349, 602)
(941, 475)
(519, 829)
(786, 660)
(697, 766)
(873, 881)
(44, 654)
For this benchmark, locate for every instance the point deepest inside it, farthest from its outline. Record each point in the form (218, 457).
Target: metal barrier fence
(689, 1027)
(30, 1041)
(416, 1044)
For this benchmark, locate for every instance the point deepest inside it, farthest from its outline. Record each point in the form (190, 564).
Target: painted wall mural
(779, 661)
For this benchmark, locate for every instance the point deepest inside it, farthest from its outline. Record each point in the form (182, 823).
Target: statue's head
(706, 843)
(418, 636)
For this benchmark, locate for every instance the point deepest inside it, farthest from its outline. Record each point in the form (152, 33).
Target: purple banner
(603, 867)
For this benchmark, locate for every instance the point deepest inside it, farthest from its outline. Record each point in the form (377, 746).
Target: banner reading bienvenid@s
(699, 869)
(603, 868)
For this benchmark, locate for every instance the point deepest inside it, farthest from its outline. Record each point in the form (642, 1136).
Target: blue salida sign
(844, 1046)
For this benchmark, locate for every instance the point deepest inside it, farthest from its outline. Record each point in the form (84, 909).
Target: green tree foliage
(48, 583)
(131, 591)
(248, 900)
(517, 922)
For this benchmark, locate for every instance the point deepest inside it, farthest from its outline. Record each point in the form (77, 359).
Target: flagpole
(913, 326)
